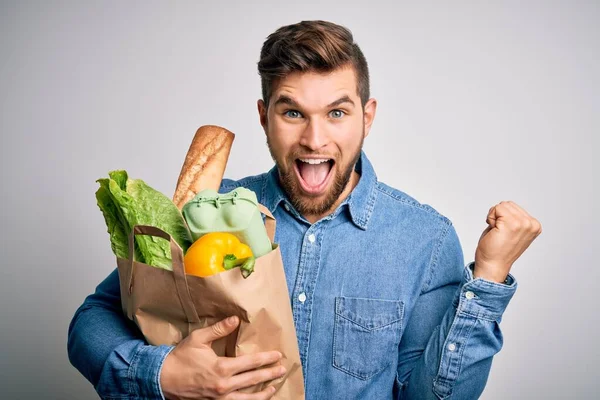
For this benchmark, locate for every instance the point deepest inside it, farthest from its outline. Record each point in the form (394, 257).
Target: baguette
(204, 163)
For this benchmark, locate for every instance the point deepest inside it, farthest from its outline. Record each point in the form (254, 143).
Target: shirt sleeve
(448, 344)
(110, 351)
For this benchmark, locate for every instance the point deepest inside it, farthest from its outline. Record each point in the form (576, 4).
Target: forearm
(457, 358)
(109, 350)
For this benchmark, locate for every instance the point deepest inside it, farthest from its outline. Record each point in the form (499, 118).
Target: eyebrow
(283, 99)
(341, 100)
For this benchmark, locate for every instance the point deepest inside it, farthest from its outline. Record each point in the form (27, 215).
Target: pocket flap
(370, 314)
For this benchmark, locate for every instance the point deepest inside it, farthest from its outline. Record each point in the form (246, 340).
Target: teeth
(314, 161)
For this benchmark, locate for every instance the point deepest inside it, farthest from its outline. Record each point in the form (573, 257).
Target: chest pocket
(366, 335)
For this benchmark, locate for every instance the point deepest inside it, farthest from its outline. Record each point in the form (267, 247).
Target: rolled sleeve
(472, 337)
(134, 373)
(148, 362)
(483, 299)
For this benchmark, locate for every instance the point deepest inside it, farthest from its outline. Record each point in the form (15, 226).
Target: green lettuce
(126, 202)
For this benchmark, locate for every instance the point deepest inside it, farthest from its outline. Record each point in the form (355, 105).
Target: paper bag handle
(178, 270)
(270, 222)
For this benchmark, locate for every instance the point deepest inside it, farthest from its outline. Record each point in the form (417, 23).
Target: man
(383, 304)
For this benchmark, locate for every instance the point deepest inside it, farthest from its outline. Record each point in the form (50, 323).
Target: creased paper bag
(168, 305)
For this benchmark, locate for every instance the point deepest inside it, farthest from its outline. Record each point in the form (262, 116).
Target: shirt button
(286, 207)
(451, 347)
(469, 295)
(311, 238)
(302, 297)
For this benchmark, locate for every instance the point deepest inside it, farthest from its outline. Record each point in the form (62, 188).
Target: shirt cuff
(145, 370)
(484, 299)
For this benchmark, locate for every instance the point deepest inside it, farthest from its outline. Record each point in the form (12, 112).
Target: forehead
(317, 88)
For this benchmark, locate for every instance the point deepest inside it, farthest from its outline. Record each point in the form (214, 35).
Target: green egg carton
(235, 212)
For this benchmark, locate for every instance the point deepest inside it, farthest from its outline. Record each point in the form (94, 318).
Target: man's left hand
(510, 232)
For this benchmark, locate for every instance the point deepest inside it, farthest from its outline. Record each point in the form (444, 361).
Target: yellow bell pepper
(217, 252)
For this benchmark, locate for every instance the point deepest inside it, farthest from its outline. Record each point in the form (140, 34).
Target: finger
(235, 365)
(537, 227)
(498, 214)
(510, 211)
(216, 331)
(252, 378)
(522, 221)
(532, 224)
(520, 209)
(517, 211)
(264, 394)
(505, 210)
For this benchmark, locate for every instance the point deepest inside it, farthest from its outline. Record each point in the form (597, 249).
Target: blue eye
(292, 114)
(337, 114)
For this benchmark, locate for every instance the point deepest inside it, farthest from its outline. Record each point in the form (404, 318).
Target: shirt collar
(360, 202)
(272, 193)
(362, 199)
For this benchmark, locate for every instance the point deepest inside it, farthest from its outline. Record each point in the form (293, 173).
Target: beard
(308, 205)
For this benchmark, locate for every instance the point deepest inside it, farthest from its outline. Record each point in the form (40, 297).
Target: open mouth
(314, 174)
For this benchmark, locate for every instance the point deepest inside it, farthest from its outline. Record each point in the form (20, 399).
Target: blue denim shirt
(383, 305)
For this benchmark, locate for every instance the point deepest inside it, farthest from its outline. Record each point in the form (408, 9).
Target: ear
(262, 114)
(369, 115)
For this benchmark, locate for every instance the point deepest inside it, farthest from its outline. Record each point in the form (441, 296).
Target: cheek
(283, 136)
(351, 136)
(278, 144)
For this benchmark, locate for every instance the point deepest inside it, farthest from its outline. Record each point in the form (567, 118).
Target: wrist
(166, 379)
(492, 273)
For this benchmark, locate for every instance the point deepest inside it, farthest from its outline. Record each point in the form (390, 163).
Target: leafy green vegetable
(118, 236)
(126, 202)
(120, 177)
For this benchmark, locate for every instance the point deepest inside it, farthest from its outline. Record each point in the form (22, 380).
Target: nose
(314, 136)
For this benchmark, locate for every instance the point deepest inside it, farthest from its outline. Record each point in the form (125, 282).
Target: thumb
(218, 330)
(491, 217)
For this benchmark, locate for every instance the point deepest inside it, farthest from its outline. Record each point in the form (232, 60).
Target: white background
(477, 104)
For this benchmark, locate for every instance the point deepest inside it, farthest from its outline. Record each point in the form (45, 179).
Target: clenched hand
(510, 232)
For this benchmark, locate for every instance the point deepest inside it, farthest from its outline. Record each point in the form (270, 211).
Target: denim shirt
(383, 305)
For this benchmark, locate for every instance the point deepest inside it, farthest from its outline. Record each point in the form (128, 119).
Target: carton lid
(210, 211)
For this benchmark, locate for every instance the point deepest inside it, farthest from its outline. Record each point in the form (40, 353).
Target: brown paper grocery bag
(168, 305)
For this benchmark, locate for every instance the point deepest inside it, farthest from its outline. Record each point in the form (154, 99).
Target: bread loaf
(204, 163)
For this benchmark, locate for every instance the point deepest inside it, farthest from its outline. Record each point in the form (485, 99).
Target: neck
(354, 178)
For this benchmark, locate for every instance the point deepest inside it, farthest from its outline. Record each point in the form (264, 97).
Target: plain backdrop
(478, 103)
